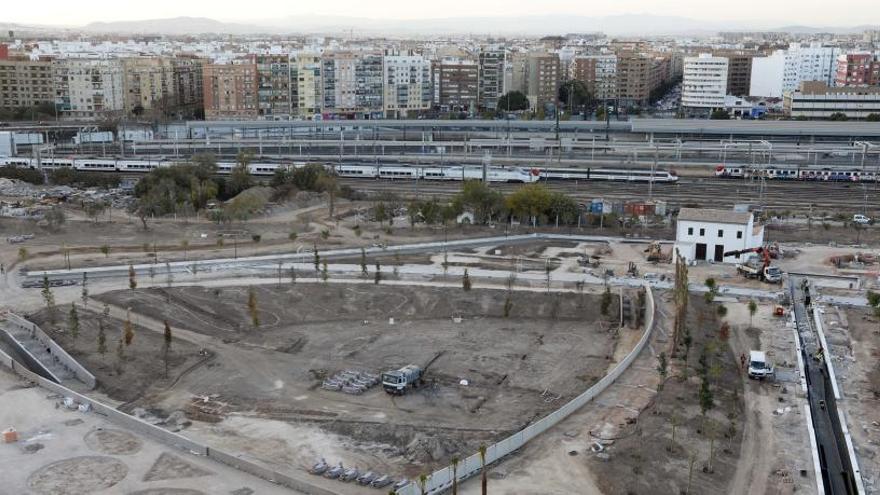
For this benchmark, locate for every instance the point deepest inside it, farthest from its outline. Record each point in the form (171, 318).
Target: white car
(861, 219)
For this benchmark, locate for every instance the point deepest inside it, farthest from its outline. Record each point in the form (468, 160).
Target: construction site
(321, 347)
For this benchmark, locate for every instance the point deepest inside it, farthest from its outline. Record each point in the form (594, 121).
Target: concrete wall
(441, 480)
(63, 357)
(31, 361)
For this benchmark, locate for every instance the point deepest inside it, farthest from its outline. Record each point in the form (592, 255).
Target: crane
(757, 266)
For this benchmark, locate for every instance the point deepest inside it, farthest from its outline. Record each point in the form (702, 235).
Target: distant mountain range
(616, 25)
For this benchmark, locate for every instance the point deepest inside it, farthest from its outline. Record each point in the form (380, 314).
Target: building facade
(306, 84)
(26, 83)
(639, 73)
(706, 234)
(231, 91)
(273, 87)
(456, 84)
(739, 72)
(704, 83)
(817, 100)
(88, 89)
(408, 84)
(491, 79)
(542, 78)
(858, 69)
(598, 73)
(149, 86)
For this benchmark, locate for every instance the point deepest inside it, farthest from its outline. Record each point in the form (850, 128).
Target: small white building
(706, 234)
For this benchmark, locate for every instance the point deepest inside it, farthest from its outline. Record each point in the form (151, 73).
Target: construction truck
(655, 253)
(398, 381)
(759, 266)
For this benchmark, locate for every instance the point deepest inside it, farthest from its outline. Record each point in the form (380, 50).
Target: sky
(765, 12)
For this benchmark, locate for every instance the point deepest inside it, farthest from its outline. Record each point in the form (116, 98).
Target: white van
(861, 219)
(759, 367)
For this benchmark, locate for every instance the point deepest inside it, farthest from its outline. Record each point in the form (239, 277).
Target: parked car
(861, 219)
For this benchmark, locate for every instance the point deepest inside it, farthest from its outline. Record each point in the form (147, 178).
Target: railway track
(826, 197)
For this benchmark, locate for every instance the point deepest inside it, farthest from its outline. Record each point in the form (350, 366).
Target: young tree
(22, 254)
(252, 307)
(605, 303)
(317, 258)
(707, 400)
(105, 250)
(132, 278)
(455, 475)
(120, 355)
(484, 476)
(49, 298)
(547, 270)
(166, 350)
(292, 272)
(753, 308)
(466, 281)
(662, 369)
(722, 311)
(325, 275)
(84, 294)
(73, 324)
(363, 262)
(185, 245)
(102, 338)
(378, 275)
(127, 329)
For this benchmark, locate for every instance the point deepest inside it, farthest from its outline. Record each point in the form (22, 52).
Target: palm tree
(455, 475)
(484, 478)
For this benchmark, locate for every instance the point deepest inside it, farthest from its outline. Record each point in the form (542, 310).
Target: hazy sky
(769, 12)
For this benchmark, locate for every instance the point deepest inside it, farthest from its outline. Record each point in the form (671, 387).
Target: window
(702, 232)
(720, 233)
(690, 231)
(739, 234)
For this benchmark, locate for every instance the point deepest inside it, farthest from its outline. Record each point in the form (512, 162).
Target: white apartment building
(706, 234)
(408, 85)
(306, 85)
(94, 88)
(704, 85)
(785, 70)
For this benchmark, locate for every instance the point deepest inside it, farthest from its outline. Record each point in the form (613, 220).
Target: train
(511, 174)
(795, 173)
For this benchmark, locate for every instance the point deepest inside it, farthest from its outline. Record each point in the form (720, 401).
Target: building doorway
(701, 252)
(719, 253)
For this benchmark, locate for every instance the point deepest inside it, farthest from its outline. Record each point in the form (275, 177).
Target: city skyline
(753, 13)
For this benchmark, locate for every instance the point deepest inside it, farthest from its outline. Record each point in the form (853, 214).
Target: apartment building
(456, 84)
(491, 78)
(369, 85)
(88, 89)
(273, 87)
(306, 85)
(515, 72)
(26, 83)
(784, 70)
(858, 69)
(598, 73)
(189, 89)
(817, 100)
(543, 76)
(739, 71)
(639, 73)
(408, 83)
(704, 84)
(231, 91)
(148, 84)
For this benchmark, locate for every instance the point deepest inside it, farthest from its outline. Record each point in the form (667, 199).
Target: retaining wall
(63, 357)
(30, 359)
(441, 480)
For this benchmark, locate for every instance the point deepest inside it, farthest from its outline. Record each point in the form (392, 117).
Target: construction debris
(351, 382)
(10, 435)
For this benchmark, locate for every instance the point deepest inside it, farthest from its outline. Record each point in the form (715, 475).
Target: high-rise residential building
(817, 100)
(598, 73)
(352, 84)
(797, 64)
(739, 71)
(231, 91)
(515, 72)
(858, 69)
(704, 85)
(306, 84)
(767, 75)
(456, 84)
(148, 84)
(273, 86)
(408, 85)
(491, 78)
(189, 87)
(89, 89)
(26, 83)
(542, 78)
(639, 73)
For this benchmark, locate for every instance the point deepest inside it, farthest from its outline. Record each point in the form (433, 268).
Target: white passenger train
(795, 173)
(512, 174)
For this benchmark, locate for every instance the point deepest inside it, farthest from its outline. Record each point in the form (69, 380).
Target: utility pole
(653, 169)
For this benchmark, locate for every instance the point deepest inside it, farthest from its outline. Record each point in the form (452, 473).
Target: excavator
(759, 266)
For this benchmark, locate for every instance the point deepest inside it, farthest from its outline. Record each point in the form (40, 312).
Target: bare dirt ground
(266, 380)
(852, 337)
(142, 366)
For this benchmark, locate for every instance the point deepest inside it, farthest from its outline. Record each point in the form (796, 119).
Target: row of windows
(739, 234)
